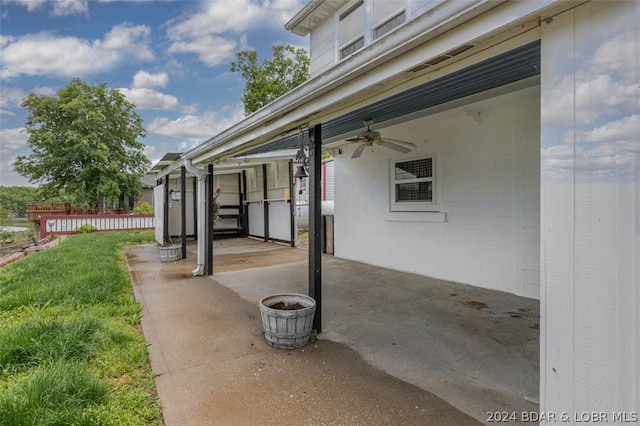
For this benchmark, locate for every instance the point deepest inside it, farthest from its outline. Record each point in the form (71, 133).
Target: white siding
(590, 211)
(322, 44)
(487, 184)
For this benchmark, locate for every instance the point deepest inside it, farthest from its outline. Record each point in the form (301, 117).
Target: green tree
(84, 143)
(265, 83)
(14, 199)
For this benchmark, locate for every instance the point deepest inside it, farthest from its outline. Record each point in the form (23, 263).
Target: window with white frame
(351, 25)
(386, 15)
(413, 184)
(363, 21)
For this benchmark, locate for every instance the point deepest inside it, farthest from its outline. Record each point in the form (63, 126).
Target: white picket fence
(68, 224)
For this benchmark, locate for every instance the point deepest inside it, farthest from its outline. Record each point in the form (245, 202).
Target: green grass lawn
(71, 346)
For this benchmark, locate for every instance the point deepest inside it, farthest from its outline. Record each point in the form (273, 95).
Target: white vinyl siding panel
(322, 43)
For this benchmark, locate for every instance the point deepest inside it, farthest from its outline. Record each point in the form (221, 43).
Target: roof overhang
(230, 165)
(381, 71)
(311, 14)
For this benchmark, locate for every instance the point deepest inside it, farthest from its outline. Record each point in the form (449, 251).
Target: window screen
(413, 181)
(414, 169)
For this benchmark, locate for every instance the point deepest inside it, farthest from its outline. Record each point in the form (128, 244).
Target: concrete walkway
(396, 348)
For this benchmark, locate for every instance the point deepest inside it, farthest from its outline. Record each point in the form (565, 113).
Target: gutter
(267, 123)
(327, 95)
(201, 209)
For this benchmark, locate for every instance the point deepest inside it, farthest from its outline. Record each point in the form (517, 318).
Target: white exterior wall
(175, 208)
(322, 46)
(590, 172)
(487, 183)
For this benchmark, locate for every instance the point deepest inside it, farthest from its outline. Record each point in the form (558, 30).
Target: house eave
(320, 98)
(311, 14)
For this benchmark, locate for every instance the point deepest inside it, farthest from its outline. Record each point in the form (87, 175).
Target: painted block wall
(590, 212)
(487, 183)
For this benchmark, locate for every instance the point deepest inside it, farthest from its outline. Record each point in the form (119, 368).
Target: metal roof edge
(375, 54)
(294, 23)
(286, 113)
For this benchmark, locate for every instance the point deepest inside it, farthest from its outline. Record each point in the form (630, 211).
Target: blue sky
(171, 58)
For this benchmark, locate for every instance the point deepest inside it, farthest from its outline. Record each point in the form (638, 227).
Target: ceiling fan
(370, 137)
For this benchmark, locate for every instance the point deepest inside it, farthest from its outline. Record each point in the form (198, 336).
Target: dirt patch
(476, 305)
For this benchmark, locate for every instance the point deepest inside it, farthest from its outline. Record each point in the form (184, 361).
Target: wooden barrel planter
(287, 319)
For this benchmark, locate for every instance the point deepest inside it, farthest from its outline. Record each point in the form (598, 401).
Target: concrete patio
(396, 348)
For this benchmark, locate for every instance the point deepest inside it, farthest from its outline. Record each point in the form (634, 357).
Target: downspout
(200, 213)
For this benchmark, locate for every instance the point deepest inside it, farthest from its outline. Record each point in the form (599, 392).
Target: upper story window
(386, 15)
(364, 21)
(351, 29)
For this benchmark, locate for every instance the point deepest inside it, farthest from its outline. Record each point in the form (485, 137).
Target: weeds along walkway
(71, 347)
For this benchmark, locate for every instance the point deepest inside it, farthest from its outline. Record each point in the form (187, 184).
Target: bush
(143, 208)
(86, 228)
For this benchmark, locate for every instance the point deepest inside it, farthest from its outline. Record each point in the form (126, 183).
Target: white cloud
(212, 50)
(31, 5)
(143, 94)
(150, 99)
(45, 53)
(196, 128)
(11, 97)
(145, 80)
(13, 140)
(69, 7)
(5, 40)
(217, 33)
(58, 7)
(129, 38)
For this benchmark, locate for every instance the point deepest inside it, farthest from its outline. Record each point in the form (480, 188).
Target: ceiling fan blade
(358, 152)
(401, 143)
(394, 146)
(356, 139)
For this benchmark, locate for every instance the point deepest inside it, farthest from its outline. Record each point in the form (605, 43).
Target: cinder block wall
(487, 160)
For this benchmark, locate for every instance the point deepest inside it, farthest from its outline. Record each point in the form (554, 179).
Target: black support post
(292, 207)
(183, 211)
(245, 207)
(209, 221)
(315, 222)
